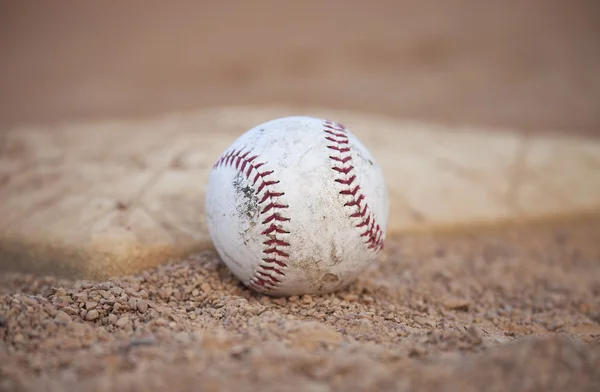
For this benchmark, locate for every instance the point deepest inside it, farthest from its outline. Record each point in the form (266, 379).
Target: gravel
(516, 310)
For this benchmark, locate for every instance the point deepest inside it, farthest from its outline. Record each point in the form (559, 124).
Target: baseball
(297, 205)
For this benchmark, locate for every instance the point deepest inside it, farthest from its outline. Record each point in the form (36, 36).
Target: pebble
(123, 322)
(474, 335)
(206, 288)
(351, 297)
(142, 306)
(70, 310)
(112, 318)
(132, 303)
(92, 315)
(30, 301)
(61, 292)
(106, 295)
(51, 310)
(280, 301)
(307, 299)
(457, 304)
(91, 305)
(62, 318)
(425, 322)
(367, 299)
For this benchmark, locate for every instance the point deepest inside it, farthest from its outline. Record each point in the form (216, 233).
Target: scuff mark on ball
(330, 278)
(248, 208)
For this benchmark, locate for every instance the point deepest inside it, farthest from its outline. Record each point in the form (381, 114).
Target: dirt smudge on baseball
(333, 254)
(330, 278)
(318, 277)
(247, 207)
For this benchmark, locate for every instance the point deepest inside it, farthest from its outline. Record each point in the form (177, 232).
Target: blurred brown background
(529, 64)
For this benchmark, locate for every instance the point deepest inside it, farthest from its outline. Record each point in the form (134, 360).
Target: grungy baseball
(297, 205)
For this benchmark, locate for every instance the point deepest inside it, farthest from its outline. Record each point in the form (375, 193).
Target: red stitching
(274, 261)
(347, 181)
(276, 251)
(275, 264)
(337, 135)
(340, 149)
(344, 160)
(274, 228)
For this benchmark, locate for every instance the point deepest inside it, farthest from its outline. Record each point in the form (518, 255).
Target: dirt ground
(506, 310)
(516, 310)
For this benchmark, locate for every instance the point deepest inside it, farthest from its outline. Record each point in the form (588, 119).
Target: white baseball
(297, 205)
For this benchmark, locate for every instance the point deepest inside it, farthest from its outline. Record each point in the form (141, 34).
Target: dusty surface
(518, 310)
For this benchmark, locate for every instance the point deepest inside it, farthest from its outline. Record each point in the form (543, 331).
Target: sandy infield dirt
(513, 308)
(517, 310)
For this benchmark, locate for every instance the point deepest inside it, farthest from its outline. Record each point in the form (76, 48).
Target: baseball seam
(341, 164)
(270, 271)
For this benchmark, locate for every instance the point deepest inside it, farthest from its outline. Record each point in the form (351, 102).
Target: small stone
(457, 304)
(51, 310)
(62, 317)
(132, 303)
(206, 288)
(19, 338)
(30, 301)
(105, 294)
(70, 310)
(195, 292)
(142, 306)
(307, 299)
(61, 292)
(63, 300)
(91, 305)
(424, 322)
(123, 322)
(92, 315)
(293, 298)
(165, 293)
(280, 301)
(112, 318)
(351, 297)
(367, 299)
(474, 335)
